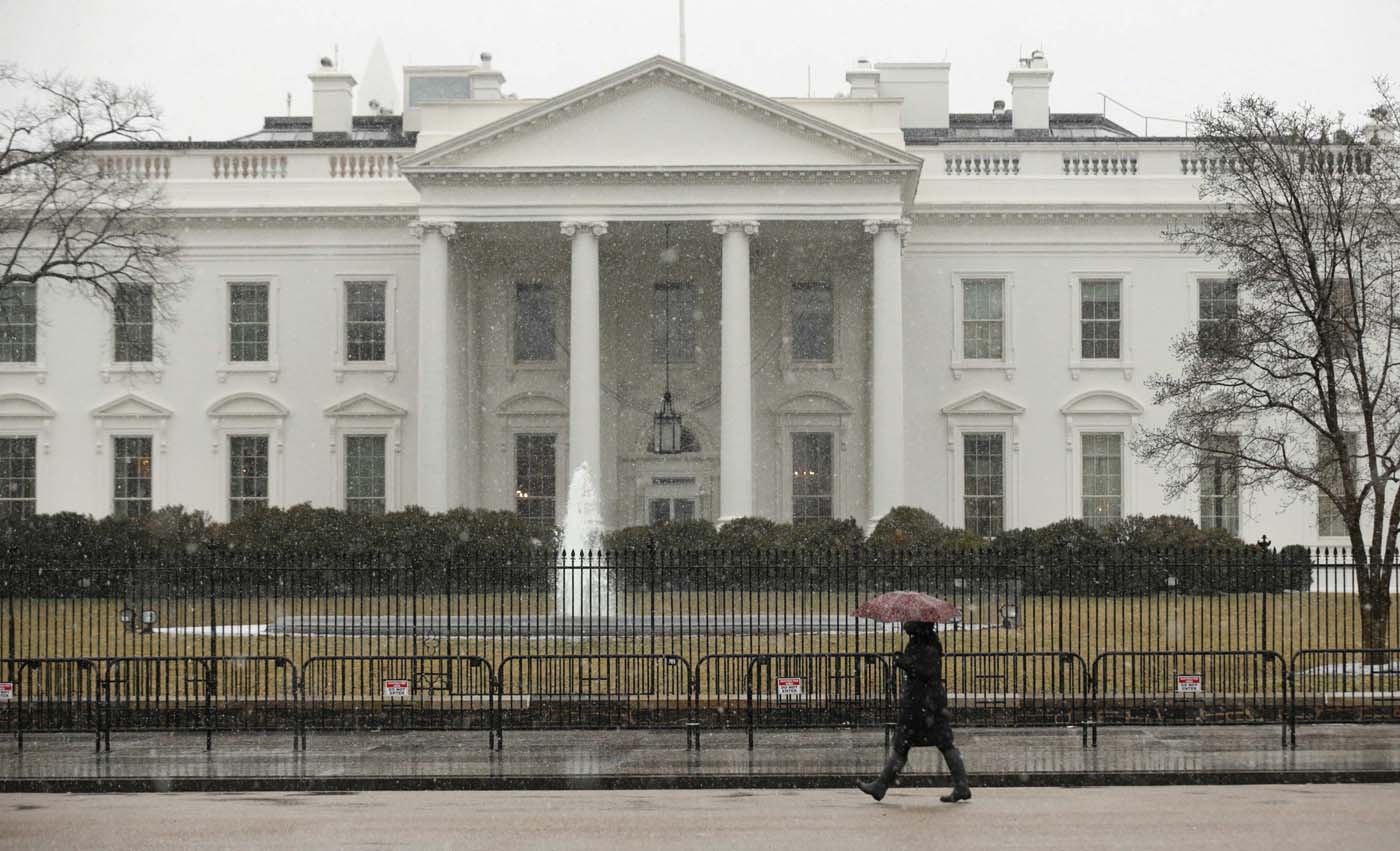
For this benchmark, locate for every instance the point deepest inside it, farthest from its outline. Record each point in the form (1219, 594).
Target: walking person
(924, 720)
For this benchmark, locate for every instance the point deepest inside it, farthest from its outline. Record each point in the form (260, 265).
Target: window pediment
(247, 405)
(365, 405)
(1109, 402)
(983, 403)
(131, 406)
(813, 403)
(532, 405)
(18, 406)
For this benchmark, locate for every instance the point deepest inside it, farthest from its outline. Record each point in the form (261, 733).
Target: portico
(772, 217)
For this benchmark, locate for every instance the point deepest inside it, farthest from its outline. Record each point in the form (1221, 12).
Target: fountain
(582, 584)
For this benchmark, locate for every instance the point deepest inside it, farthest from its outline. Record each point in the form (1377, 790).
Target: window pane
(1219, 480)
(984, 484)
(674, 318)
(1102, 460)
(247, 477)
(364, 473)
(248, 322)
(812, 477)
(131, 482)
(534, 478)
(813, 337)
(984, 319)
(19, 323)
(534, 322)
(133, 314)
(17, 476)
(1100, 324)
(365, 320)
(1218, 327)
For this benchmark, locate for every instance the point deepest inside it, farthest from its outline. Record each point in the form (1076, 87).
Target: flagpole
(682, 29)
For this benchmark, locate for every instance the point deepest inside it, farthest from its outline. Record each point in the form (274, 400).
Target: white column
(585, 351)
(886, 366)
(735, 373)
(434, 328)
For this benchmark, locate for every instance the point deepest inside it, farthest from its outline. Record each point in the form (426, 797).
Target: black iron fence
(474, 641)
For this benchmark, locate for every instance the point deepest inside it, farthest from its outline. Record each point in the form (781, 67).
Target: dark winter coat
(923, 700)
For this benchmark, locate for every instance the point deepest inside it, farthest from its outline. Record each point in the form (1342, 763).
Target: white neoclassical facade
(855, 302)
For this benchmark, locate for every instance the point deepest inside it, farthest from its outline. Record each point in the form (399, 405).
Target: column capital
(442, 226)
(901, 226)
(723, 226)
(571, 227)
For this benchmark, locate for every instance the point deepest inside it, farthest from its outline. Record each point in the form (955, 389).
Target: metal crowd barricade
(794, 690)
(596, 691)
(1018, 689)
(1350, 685)
(54, 695)
(254, 693)
(157, 693)
(1147, 687)
(397, 692)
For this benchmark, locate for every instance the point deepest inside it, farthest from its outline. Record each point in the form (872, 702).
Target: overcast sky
(218, 67)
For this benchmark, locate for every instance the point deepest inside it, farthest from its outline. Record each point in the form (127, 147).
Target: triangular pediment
(247, 405)
(14, 406)
(365, 405)
(131, 406)
(658, 114)
(1103, 402)
(984, 403)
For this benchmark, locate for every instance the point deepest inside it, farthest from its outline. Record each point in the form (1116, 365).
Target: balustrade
(1106, 164)
(981, 164)
(250, 166)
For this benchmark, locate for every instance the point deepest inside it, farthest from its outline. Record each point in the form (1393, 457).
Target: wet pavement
(659, 759)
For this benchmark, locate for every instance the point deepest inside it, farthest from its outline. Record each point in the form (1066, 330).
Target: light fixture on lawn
(148, 620)
(669, 434)
(128, 619)
(1008, 616)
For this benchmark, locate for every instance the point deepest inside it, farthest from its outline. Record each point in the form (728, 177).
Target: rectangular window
(984, 484)
(1102, 478)
(17, 476)
(364, 474)
(1340, 332)
(811, 476)
(534, 478)
(813, 322)
(1220, 486)
(1330, 522)
(19, 323)
(247, 322)
(133, 315)
(534, 323)
(1217, 329)
(673, 321)
(131, 483)
(365, 321)
(1100, 319)
(247, 474)
(984, 319)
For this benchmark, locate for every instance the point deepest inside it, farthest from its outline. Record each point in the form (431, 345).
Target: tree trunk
(1373, 593)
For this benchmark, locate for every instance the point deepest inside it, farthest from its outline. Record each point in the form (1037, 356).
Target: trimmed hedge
(1135, 556)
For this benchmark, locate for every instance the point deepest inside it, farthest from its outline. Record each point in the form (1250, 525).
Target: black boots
(961, 791)
(879, 786)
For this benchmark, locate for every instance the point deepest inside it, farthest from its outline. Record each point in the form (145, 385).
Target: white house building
(855, 302)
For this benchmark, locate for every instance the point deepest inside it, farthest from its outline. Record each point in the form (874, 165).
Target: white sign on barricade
(789, 686)
(1188, 682)
(7, 691)
(396, 688)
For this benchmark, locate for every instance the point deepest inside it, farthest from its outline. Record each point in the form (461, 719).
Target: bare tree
(71, 214)
(1292, 382)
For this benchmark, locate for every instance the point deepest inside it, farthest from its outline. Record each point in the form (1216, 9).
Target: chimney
(924, 87)
(486, 82)
(864, 80)
(1030, 95)
(332, 99)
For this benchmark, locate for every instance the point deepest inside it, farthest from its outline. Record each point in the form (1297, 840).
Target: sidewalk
(633, 760)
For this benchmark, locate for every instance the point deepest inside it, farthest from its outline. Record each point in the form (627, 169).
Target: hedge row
(908, 547)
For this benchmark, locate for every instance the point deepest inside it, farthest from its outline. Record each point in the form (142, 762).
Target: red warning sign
(396, 688)
(789, 686)
(1188, 682)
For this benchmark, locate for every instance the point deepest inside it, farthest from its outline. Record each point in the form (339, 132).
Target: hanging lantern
(666, 422)
(668, 440)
